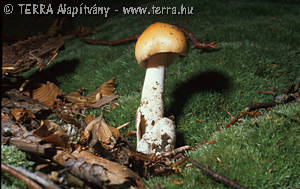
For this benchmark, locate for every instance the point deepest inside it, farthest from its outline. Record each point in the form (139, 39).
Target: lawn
(258, 45)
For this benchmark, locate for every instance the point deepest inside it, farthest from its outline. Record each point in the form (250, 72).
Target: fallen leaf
(15, 99)
(99, 130)
(52, 133)
(97, 170)
(107, 135)
(107, 88)
(104, 100)
(67, 117)
(211, 142)
(18, 113)
(76, 97)
(4, 117)
(21, 115)
(103, 95)
(46, 94)
(199, 120)
(89, 118)
(177, 182)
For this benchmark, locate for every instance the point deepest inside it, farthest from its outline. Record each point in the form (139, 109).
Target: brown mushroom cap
(160, 40)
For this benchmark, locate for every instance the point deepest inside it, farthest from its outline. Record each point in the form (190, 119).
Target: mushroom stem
(152, 93)
(154, 132)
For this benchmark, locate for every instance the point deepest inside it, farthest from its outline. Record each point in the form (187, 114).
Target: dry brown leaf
(15, 99)
(177, 182)
(52, 133)
(46, 94)
(76, 97)
(107, 88)
(104, 100)
(89, 118)
(211, 142)
(20, 114)
(103, 95)
(115, 173)
(100, 131)
(199, 120)
(4, 117)
(107, 134)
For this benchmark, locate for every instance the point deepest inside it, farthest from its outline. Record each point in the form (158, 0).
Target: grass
(12, 156)
(257, 49)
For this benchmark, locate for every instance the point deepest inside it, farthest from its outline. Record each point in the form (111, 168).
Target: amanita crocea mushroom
(156, 48)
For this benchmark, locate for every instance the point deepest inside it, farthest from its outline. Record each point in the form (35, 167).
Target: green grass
(11, 155)
(257, 45)
(247, 151)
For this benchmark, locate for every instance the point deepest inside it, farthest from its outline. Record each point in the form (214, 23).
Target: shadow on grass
(209, 81)
(51, 73)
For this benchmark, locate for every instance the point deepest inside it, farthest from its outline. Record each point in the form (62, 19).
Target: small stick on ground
(196, 44)
(200, 144)
(30, 183)
(289, 94)
(217, 176)
(260, 105)
(181, 149)
(122, 126)
(235, 119)
(110, 43)
(252, 114)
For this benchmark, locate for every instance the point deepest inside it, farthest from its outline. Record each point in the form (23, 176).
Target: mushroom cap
(160, 40)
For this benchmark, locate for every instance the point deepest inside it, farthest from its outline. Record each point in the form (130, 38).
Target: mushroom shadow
(209, 81)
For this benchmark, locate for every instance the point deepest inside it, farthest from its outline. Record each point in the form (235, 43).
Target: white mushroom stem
(155, 133)
(152, 93)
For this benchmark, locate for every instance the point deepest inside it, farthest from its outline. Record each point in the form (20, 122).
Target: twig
(196, 43)
(110, 43)
(260, 105)
(55, 53)
(28, 146)
(235, 119)
(124, 125)
(47, 183)
(200, 144)
(252, 114)
(10, 170)
(289, 94)
(181, 149)
(217, 176)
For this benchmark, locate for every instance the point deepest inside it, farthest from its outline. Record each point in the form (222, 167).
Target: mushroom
(155, 49)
